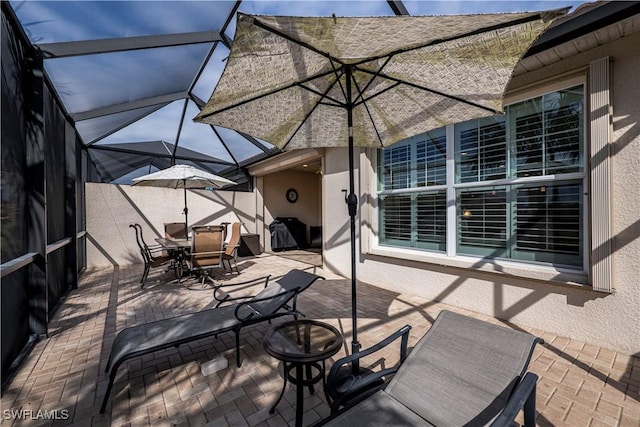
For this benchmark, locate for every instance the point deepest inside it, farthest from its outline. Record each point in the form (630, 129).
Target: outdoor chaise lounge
(278, 298)
(463, 372)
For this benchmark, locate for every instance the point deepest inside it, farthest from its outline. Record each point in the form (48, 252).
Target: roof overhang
(284, 161)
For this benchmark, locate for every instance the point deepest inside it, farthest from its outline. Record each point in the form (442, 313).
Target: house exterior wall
(111, 208)
(335, 222)
(535, 297)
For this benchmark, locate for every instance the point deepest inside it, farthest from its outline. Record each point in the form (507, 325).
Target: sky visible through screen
(60, 21)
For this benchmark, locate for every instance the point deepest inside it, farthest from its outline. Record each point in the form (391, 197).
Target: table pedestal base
(300, 382)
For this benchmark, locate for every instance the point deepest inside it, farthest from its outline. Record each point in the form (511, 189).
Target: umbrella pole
(352, 203)
(185, 210)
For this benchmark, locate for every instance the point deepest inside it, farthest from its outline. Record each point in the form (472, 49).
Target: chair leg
(235, 264)
(144, 275)
(204, 276)
(112, 377)
(530, 409)
(238, 363)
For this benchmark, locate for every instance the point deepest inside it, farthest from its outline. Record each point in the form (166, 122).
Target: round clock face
(292, 195)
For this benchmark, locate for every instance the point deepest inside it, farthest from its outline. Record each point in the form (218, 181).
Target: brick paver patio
(580, 384)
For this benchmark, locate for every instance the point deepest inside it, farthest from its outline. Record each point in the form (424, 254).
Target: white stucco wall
(111, 208)
(336, 226)
(610, 320)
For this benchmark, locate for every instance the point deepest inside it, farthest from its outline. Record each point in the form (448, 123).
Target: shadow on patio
(580, 384)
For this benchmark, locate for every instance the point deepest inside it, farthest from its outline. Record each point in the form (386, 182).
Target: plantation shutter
(600, 122)
(396, 219)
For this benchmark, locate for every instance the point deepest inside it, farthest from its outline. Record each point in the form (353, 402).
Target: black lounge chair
(272, 302)
(463, 372)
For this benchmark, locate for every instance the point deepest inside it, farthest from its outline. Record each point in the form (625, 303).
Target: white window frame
(535, 270)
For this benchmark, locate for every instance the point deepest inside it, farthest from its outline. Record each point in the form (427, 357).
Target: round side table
(302, 346)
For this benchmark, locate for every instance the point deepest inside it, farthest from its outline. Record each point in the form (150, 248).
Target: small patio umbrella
(369, 82)
(183, 176)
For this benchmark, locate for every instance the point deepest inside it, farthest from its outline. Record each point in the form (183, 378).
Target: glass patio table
(302, 346)
(179, 250)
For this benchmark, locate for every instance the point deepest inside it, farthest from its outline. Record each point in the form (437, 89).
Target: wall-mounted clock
(292, 195)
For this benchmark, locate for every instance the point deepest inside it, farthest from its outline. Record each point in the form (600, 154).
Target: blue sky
(380, 7)
(415, 7)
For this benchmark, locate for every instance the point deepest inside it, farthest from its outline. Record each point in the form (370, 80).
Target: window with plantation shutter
(414, 219)
(397, 167)
(396, 227)
(515, 185)
(548, 133)
(431, 221)
(481, 150)
(482, 222)
(547, 220)
(431, 162)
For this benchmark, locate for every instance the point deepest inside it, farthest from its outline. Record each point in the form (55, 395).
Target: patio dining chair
(174, 230)
(153, 256)
(206, 250)
(462, 372)
(231, 249)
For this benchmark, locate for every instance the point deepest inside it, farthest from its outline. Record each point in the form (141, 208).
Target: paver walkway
(63, 377)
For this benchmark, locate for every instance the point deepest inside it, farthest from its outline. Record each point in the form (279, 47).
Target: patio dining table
(179, 250)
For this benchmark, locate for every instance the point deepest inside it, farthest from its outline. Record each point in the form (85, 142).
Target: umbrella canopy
(369, 82)
(183, 176)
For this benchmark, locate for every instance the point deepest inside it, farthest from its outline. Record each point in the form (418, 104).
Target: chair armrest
(221, 296)
(522, 398)
(155, 250)
(341, 386)
(255, 300)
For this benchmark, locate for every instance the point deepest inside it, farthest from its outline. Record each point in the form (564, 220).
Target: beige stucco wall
(336, 226)
(610, 320)
(111, 208)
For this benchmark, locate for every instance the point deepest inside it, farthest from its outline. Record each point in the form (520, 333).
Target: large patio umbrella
(183, 176)
(300, 82)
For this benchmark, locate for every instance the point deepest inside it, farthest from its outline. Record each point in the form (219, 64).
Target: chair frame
(344, 388)
(352, 391)
(231, 249)
(151, 260)
(245, 315)
(197, 256)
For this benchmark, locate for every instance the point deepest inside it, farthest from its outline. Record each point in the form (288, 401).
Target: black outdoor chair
(277, 298)
(153, 256)
(463, 372)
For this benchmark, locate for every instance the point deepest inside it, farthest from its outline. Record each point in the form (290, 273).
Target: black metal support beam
(398, 7)
(119, 108)
(93, 47)
(157, 155)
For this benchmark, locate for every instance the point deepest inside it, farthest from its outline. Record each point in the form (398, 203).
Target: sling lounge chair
(278, 298)
(463, 372)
